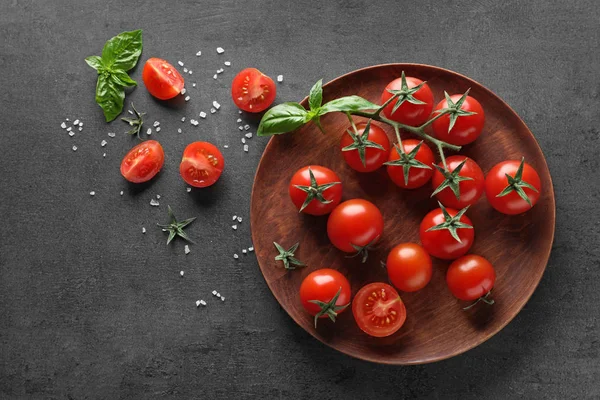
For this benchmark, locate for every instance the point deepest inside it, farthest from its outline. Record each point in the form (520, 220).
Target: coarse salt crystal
(187, 249)
(81, 124)
(178, 130)
(241, 128)
(63, 125)
(67, 119)
(111, 134)
(158, 196)
(72, 133)
(220, 50)
(187, 98)
(246, 127)
(156, 123)
(226, 146)
(149, 131)
(121, 193)
(235, 256)
(239, 111)
(215, 76)
(216, 104)
(239, 219)
(194, 84)
(244, 251)
(92, 193)
(222, 298)
(69, 129)
(76, 122)
(234, 227)
(220, 71)
(182, 119)
(214, 292)
(203, 303)
(212, 110)
(239, 120)
(74, 148)
(157, 129)
(103, 154)
(218, 294)
(190, 72)
(249, 135)
(202, 114)
(194, 122)
(182, 91)
(185, 70)
(279, 78)
(143, 230)
(180, 63)
(181, 273)
(80, 129)
(188, 189)
(246, 148)
(154, 203)
(103, 143)
(198, 303)
(234, 217)
(251, 249)
(243, 140)
(199, 53)
(227, 63)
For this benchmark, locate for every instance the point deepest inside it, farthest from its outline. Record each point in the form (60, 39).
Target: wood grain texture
(436, 327)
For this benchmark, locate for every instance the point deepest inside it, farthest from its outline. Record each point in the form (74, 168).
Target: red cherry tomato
(409, 267)
(162, 80)
(143, 162)
(318, 290)
(328, 184)
(470, 190)
(470, 277)
(378, 310)
(409, 113)
(202, 164)
(440, 243)
(355, 222)
(253, 91)
(496, 182)
(373, 157)
(466, 129)
(417, 177)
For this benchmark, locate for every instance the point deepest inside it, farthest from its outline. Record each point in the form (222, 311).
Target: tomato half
(466, 129)
(409, 267)
(318, 290)
(358, 143)
(414, 161)
(440, 243)
(470, 277)
(318, 197)
(162, 80)
(522, 182)
(253, 91)
(202, 164)
(378, 309)
(470, 190)
(408, 113)
(143, 162)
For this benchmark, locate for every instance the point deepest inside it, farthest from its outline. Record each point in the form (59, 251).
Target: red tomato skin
(408, 113)
(138, 170)
(355, 221)
(417, 177)
(323, 176)
(470, 277)
(365, 310)
(253, 91)
(512, 203)
(374, 158)
(466, 129)
(159, 82)
(470, 191)
(322, 285)
(409, 267)
(201, 165)
(441, 244)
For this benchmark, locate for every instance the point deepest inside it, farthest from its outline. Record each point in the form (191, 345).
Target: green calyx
(175, 228)
(451, 179)
(405, 94)
(516, 184)
(287, 256)
(329, 308)
(454, 110)
(315, 191)
(407, 161)
(363, 251)
(361, 142)
(135, 123)
(486, 299)
(452, 224)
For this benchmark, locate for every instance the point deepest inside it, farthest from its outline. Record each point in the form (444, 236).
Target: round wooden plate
(436, 326)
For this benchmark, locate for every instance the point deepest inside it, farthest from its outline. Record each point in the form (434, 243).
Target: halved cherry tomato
(408, 113)
(318, 196)
(353, 144)
(318, 291)
(378, 309)
(202, 164)
(143, 161)
(162, 80)
(252, 90)
(470, 190)
(510, 197)
(470, 277)
(439, 242)
(467, 128)
(409, 267)
(414, 160)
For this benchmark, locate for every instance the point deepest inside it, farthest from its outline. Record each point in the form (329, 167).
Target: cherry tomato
(409, 113)
(519, 189)
(418, 175)
(409, 267)
(354, 226)
(470, 277)
(440, 243)
(202, 164)
(308, 194)
(466, 129)
(143, 161)
(470, 190)
(162, 80)
(355, 144)
(252, 90)
(318, 290)
(378, 309)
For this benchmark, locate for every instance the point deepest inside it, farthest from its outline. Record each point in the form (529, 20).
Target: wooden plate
(436, 327)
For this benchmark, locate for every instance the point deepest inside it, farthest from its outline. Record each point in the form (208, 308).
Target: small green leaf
(95, 62)
(109, 96)
(121, 78)
(282, 118)
(122, 51)
(348, 104)
(315, 99)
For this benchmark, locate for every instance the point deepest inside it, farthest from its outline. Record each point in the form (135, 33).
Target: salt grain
(249, 135)
(71, 133)
(121, 193)
(194, 84)
(154, 203)
(111, 134)
(74, 148)
(226, 146)
(227, 63)
(202, 114)
(92, 193)
(279, 78)
(203, 303)
(76, 122)
(158, 196)
(215, 76)
(185, 70)
(180, 63)
(243, 140)
(220, 71)
(104, 155)
(187, 249)
(246, 148)
(143, 230)
(80, 129)
(156, 123)
(216, 104)
(214, 292)
(222, 298)
(199, 53)
(239, 219)
(239, 120)
(234, 217)
(149, 131)
(198, 303)
(190, 72)
(183, 91)
(234, 227)
(182, 119)
(244, 251)
(218, 294)
(212, 110)
(157, 129)
(241, 128)
(246, 127)
(103, 143)
(188, 189)
(251, 249)
(69, 129)
(236, 256)
(220, 50)
(81, 124)
(63, 125)
(187, 98)
(239, 111)
(194, 122)
(178, 130)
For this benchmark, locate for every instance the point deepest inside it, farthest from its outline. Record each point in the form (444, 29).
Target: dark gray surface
(91, 308)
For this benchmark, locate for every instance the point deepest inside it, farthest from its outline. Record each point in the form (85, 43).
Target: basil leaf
(315, 99)
(123, 50)
(110, 96)
(348, 104)
(94, 62)
(282, 118)
(121, 78)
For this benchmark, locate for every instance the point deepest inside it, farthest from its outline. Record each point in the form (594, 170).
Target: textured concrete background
(91, 308)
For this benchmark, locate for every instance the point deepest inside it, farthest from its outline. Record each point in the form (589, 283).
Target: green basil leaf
(282, 118)
(94, 62)
(123, 50)
(110, 96)
(315, 99)
(121, 78)
(348, 104)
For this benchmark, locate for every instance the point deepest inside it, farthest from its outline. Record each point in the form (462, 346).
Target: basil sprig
(119, 55)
